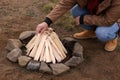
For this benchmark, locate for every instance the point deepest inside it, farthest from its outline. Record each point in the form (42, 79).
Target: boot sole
(85, 37)
(112, 49)
(109, 50)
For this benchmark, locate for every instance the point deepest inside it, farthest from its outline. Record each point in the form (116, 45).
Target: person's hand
(77, 22)
(41, 27)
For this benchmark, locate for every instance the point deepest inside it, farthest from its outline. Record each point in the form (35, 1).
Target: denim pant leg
(77, 11)
(106, 33)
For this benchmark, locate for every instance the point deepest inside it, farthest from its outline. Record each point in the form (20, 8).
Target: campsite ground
(17, 16)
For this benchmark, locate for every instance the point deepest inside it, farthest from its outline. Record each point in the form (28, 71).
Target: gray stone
(59, 68)
(14, 54)
(68, 43)
(23, 60)
(26, 36)
(78, 50)
(74, 61)
(45, 68)
(33, 65)
(69, 39)
(13, 43)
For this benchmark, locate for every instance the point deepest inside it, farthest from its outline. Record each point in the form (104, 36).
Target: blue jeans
(103, 33)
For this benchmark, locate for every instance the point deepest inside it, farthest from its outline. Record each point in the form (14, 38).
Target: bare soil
(17, 16)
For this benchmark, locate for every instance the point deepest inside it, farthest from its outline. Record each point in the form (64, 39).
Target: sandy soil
(17, 16)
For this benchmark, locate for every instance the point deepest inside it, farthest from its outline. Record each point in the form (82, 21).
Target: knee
(102, 34)
(77, 11)
(73, 9)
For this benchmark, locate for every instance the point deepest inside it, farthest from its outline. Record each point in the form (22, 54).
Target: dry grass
(31, 13)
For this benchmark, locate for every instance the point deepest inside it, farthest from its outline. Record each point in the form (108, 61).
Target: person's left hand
(77, 22)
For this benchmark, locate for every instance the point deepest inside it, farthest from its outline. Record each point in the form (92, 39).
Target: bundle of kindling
(46, 47)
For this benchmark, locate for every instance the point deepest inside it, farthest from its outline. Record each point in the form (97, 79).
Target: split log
(54, 45)
(51, 52)
(41, 58)
(58, 45)
(30, 45)
(33, 52)
(47, 53)
(40, 47)
(57, 56)
(31, 41)
(56, 36)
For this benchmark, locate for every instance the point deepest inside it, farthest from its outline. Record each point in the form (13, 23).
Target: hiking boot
(85, 34)
(111, 45)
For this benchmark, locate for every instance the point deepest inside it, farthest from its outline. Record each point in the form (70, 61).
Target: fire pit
(19, 51)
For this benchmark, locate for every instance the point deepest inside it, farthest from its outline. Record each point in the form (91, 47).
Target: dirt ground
(17, 16)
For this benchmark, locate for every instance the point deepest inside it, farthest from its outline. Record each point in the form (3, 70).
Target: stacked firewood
(46, 47)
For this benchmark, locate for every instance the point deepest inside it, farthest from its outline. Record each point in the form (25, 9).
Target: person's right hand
(41, 27)
(77, 22)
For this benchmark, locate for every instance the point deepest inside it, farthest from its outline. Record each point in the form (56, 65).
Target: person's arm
(110, 17)
(60, 9)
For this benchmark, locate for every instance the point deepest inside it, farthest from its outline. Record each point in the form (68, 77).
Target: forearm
(60, 9)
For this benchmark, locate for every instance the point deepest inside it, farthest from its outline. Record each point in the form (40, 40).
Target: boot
(111, 45)
(85, 34)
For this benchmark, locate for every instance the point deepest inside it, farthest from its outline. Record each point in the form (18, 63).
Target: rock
(33, 65)
(59, 68)
(23, 60)
(68, 43)
(14, 54)
(69, 39)
(78, 50)
(26, 36)
(45, 68)
(74, 61)
(13, 43)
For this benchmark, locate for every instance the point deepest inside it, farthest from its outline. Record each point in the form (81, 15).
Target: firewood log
(51, 52)
(47, 53)
(31, 41)
(56, 36)
(30, 45)
(34, 50)
(55, 53)
(37, 56)
(58, 44)
(41, 58)
(54, 45)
